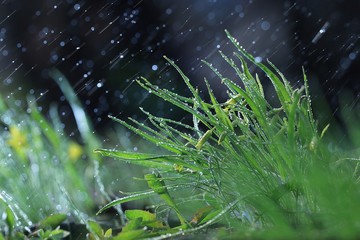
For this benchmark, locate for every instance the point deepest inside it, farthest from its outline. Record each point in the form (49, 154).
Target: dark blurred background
(102, 46)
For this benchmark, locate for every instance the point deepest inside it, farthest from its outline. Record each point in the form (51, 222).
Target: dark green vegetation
(242, 168)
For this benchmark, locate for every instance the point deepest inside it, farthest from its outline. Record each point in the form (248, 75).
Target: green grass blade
(142, 195)
(157, 184)
(285, 81)
(81, 118)
(164, 162)
(221, 115)
(280, 89)
(45, 126)
(156, 140)
(255, 108)
(186, 80)
(130, 198)
(176, 100)
(85, 128)
(308, 102)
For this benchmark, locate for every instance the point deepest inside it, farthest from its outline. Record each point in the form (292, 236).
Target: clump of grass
(39, 173)
(43, 172)
(258, 170)
(40, 165)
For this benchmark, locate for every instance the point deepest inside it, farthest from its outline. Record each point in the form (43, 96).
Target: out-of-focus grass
(42, 171)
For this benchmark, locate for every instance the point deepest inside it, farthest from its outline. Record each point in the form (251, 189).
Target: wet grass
(45, 173)
(40, 168)
(257, 170)
(242, 169)
(41, 163)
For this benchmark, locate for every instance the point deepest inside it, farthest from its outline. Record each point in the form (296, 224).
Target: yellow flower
(17, 138)
(74, 151)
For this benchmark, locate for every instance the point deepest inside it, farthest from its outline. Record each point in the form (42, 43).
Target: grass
(44, 173)
(39, 171)
(265, 171)
(243, 168)
(34, 152)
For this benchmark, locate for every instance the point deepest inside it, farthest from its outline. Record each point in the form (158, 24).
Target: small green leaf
(10, 218)
(58, 234)
(203, 139)
(53, 221)
(222, 137)
(91, 236)
(211, 215)
(157, 184)
(324, 131)
(108, 233)
(201, 214)
(148, 219)
(130, 235)
(145, 215)
(42, 234)
(132, 225)
(95, 228)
